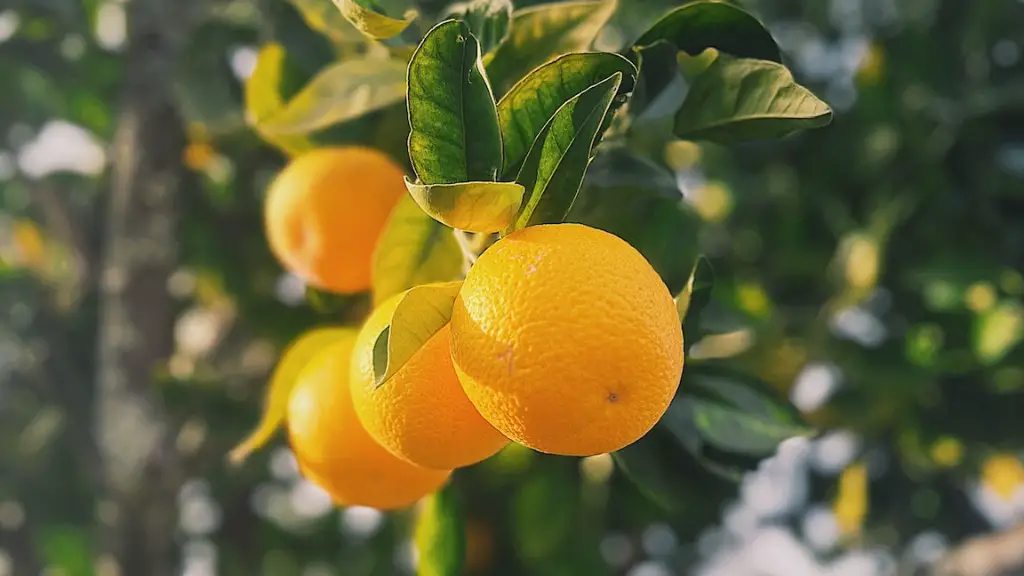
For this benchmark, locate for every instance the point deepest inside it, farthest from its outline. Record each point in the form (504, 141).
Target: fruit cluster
(561, 337)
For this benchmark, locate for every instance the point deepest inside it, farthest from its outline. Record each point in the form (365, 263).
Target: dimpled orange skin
(421, 414)
(335, 452)
(566, 340)
(324, 212)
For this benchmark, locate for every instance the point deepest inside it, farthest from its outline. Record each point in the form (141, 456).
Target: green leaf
(341, 92)
(638, 201)
(263, 98)
(737, 431)
(696, 295)
(440, 535)
(556, 164)
(697, 26)
(473, 206)
(488, 20)
(722, 383)
(453, 121)
(422, 311)
(282, 380)
(371, 23)
(413, 249)
(545, 510)
(323, 17)
(542, 32)
(741, 99)
(527, 107)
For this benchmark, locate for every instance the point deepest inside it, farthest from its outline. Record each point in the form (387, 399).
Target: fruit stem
(464, 241)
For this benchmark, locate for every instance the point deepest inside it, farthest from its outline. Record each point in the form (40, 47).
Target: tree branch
(141, 468)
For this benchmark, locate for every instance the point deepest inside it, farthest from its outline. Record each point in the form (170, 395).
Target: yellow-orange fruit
(566, 340)
(333, 449)
(421, 414)
(324, 212)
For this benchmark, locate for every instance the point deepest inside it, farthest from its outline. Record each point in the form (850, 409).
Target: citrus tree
(534, 276)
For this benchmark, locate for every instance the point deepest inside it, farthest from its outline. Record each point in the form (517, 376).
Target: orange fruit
(566, 340)
(335, 452)
(324, 213)
(421, 414)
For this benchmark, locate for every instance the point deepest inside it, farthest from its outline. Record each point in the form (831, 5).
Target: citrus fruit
(566, 340)
(335, 452)
(324, 212)
(421, 414)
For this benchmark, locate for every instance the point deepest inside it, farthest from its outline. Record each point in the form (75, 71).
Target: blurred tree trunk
(140, 466)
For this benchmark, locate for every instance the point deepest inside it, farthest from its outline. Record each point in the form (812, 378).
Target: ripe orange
(421, 414)
(333, 449)
(566, 340)
(325, 210)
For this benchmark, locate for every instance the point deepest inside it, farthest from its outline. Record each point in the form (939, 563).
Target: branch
(141, 468)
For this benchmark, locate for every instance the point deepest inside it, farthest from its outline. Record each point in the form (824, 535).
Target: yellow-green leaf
(421, 312)
(997, 331)
(341, 92)
(440, 535)
(321, 16)
(282, 380)
(540, 33)
(413, 249)
(473, 206)
(263, 98)
(373, 24)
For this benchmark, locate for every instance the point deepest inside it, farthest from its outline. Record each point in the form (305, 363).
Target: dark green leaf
(673, 479)
(716, 381)
(540, 33)
(472, 206)
(372, 23)
(697, 26)
(453, 121)
(527, 107)
(741, 99)
(639, 202)
(488, 20)
(440, 535)
(696, 295)
(736, 431)
(555, 166)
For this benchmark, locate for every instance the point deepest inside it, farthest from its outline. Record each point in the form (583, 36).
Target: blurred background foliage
(871, 272)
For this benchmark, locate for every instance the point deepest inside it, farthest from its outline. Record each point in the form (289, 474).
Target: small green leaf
(737, 100)
(440, 535)
(371, 23)
(413, 249)
(527, 107)
(323, 17)
(696, 295)
(556, 164)
(341, 92)
(542, 32)
(453, 121)
(697, 26)
(737, 431)
(282, 380)
(488, 20)
(422, 311)
(472, 206)
(263, 98)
